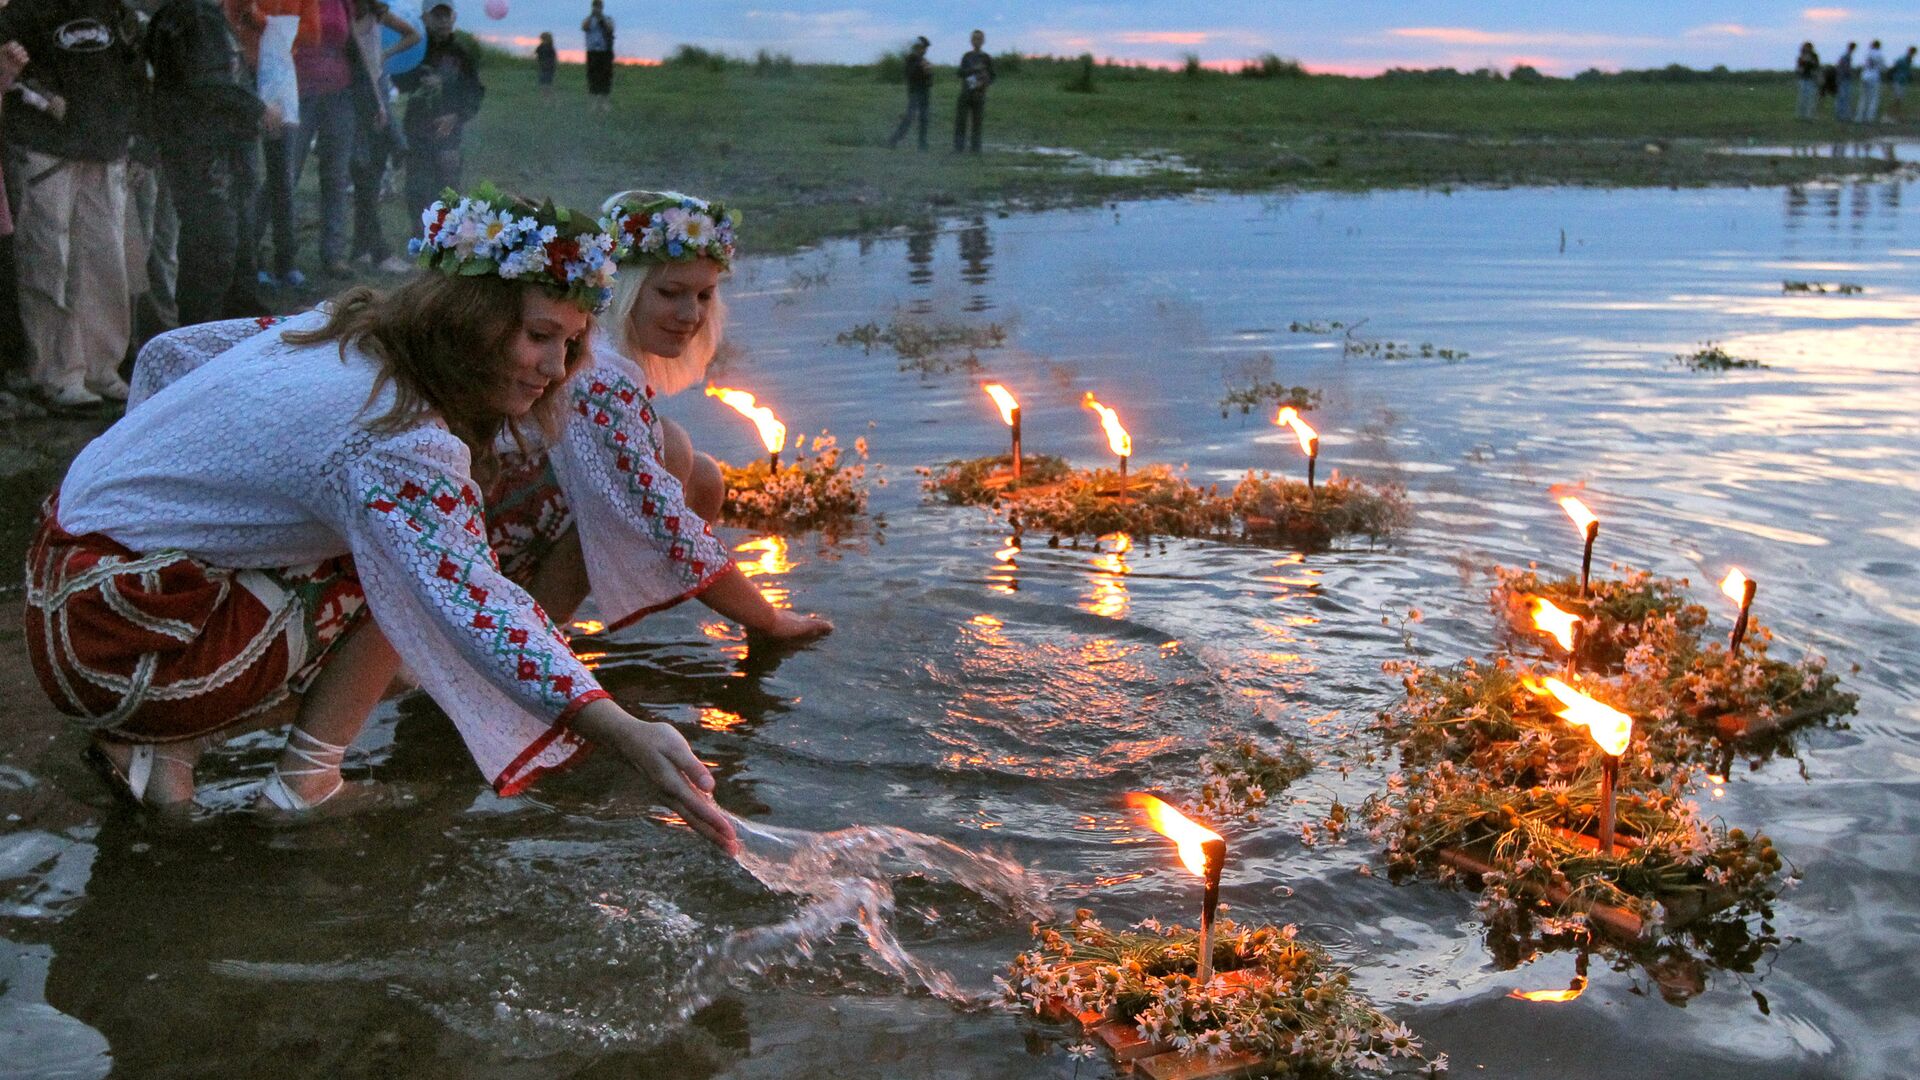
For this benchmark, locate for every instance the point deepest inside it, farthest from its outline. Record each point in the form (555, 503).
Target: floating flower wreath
(488, 232)
(671, 227)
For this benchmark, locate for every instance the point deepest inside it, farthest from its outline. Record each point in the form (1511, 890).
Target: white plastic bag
(279, 87)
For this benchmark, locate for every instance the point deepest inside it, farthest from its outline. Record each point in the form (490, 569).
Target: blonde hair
(666, 374)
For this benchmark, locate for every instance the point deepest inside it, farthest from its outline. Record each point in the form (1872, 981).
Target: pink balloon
(496, 9)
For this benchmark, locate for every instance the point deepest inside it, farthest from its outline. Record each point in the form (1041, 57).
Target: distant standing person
(1843, 84)
(976, 74)
(548, 58)
(1870, 72)
(1899, 76)
(599, 30)
(445, 93)
(919, 92)
(1807, 69)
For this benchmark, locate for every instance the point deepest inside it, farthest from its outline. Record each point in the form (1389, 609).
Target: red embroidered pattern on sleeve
(441, 520)
(615, 406)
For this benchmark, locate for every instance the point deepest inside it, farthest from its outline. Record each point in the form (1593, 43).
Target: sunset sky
(1360, 37)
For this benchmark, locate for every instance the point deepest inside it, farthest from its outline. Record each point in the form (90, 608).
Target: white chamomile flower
(697, 229)
(1371, 1060)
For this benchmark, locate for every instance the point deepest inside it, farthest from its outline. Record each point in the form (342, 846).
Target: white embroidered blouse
(242, 451)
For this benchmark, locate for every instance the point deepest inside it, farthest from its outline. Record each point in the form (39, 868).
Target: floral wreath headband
(666, 226)
(488, 232)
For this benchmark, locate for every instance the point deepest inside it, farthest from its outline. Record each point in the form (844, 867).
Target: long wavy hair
(443, 343)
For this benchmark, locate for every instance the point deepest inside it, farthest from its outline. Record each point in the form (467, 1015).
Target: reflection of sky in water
(1083, 664)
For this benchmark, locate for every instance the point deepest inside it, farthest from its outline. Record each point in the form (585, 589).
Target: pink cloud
(1826, 14)
(1463, 35)
(1163, 37)
(1720, 30)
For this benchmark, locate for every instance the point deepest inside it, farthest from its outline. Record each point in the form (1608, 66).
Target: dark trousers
(373, 145)
(917, 101)
(972, 106)
(249, 165)
(275, 216)
(327, 122)
(432, 165)
(600, 73)
(210, 207)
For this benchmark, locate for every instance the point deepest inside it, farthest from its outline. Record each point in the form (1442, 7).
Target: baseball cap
(426, 6)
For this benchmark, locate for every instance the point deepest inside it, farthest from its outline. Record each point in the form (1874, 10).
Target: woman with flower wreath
(659, 333)
(299, 515)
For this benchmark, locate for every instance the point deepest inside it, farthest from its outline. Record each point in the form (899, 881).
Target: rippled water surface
(1004, 704)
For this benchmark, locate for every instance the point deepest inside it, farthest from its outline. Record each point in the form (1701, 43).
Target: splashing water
(846, 877)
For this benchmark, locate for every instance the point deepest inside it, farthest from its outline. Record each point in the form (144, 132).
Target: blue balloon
(409, 59)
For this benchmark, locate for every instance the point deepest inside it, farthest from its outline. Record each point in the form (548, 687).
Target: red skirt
(163, 647)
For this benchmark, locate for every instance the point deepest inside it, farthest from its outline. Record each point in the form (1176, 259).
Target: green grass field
(803, 154)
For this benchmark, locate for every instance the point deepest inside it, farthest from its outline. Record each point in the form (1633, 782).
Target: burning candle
(1118, 440)
(1202, 851)
(1740, 589)
(773, 433)
(1309, 438)
(1009, 412)
(1562, 626)
(1589, 527)
(1610, 730)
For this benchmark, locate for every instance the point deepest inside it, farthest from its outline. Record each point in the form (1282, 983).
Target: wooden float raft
(1158, 1060)
(1623, 925)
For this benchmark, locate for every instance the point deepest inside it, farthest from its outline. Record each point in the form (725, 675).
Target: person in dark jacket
(976, 74)
(919, 93)
(443, 95)
(67, 132)
(206, 118)
(547, 58)
(1806, 69)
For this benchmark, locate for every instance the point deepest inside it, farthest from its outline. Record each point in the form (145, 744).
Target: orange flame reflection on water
(1549, 619)
(1186, 834)
(1118, 440)
(1004, 399)
(1302, 430)
(1573, 990)
(773, 433)
(1610, 728)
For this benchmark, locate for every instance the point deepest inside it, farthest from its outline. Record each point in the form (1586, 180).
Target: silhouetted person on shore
(1843, 84)
(598, 28)
(1868, 111)
(919, 93)
(976, 74)
(1806, 68)
(1899, 77)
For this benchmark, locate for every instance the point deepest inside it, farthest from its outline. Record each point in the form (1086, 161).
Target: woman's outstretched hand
(662, 755)
(789, 626)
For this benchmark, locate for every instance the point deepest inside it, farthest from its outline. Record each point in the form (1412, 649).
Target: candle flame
(773, 433)
(1573, 990)
(1583, 518)
(1186, 833)
(1117, 437)
(1735, 586)
(1549, 619)
(1309, 438)
(1610, 728)
(1004, 399)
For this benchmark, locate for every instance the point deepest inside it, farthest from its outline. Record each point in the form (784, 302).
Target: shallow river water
(1005, 704)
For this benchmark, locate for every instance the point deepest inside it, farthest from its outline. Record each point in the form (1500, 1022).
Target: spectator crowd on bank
(1866, 89)
(152, 149)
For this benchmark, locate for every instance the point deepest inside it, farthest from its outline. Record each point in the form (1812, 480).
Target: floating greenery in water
(1238, 777)
(1500, 791)
(928, 348)
(815, 492)
(1711, 357)
(1251, 383)
(1281, 508)
(1844, 288)
(1648, 641)
(1276, 997)
(1155, 501)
